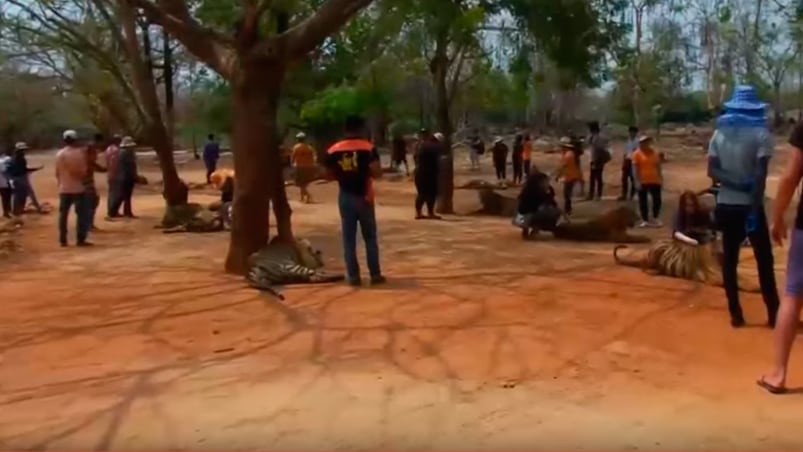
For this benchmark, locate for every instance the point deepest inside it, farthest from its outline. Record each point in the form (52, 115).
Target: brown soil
(478, 341)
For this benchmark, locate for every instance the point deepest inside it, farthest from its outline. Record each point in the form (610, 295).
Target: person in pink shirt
(113, 175)
(71, 168)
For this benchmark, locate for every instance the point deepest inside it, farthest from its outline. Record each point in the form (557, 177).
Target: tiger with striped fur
(676, 259)
(281, 263)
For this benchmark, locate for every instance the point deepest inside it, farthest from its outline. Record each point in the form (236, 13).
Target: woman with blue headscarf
(738, 157)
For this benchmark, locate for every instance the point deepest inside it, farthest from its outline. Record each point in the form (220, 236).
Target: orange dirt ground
(479, 341)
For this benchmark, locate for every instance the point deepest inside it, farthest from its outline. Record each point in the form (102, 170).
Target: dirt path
(479, 341)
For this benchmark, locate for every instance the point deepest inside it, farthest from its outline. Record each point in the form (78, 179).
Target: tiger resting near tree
(677, 259)
(281, 263)
(611, 226)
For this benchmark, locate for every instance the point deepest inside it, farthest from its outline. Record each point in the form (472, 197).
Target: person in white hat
(127, 178)
(18, 172)
(303, 160)
(71, 168)
(499, 153)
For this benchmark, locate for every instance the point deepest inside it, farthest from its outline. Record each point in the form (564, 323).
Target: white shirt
(4, 162)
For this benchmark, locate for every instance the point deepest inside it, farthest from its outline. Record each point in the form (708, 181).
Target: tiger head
(308, 255)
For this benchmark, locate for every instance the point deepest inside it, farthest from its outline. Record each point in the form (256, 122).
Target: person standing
(578, 153)
(18, 173)
(127, 173)
(477, 148)
(426, 175)
(113, 176)
(211, 156)
(71, 168)
(517, 158)
(527, 154)
(303, 157)
(738, 157)
(569, 171)
(92, 197)
(499, 153)
(789, 313)
(5, 184)
(354, 163)
(648, 178)
(628, 183)
(600, 156)
(399, 154)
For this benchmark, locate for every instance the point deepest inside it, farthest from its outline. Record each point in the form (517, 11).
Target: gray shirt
(739, 149)
(630, 147)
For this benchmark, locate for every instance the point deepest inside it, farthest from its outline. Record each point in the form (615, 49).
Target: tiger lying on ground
(282, 263)
(611, 226)
(676, 259)
(479, 184)
(193, 217)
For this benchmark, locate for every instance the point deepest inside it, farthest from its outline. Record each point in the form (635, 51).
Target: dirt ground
(479, 341)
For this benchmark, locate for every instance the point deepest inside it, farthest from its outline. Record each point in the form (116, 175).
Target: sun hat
(301, 135)
(21, 146)
(127, 142)
(69, 135)
(744, 97)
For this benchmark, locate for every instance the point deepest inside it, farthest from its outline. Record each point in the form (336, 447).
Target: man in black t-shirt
(426, 175)
(354, 163)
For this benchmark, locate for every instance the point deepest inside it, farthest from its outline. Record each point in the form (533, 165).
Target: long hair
(698, 214)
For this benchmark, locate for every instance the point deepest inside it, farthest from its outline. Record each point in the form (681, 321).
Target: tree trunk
(257, 163)
(170, 116)
(439, 67)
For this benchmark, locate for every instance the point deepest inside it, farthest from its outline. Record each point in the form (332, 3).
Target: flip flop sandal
(777, 390)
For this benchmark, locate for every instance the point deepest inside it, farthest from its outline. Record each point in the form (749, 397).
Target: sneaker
(656, 223)
(642, 224)
(377, 280)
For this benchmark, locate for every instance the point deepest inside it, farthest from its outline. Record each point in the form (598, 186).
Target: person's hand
(778, 231)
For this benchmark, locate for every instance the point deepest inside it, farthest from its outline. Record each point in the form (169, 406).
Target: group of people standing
(520, 157)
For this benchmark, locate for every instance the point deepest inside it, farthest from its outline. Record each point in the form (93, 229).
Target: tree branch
(214, 49)
(302, 38)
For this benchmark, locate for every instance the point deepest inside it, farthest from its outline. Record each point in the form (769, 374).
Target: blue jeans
(356, 210)
(78, 201)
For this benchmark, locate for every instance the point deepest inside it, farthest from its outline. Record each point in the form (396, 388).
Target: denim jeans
(32, 194)
(355, 210)
(78, 201)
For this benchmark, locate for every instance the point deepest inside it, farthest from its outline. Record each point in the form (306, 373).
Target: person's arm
(789, 180)
(374, 165)
(57, 168)
(635, 170)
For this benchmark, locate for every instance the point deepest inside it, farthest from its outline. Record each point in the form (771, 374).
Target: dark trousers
(517, 169)
(595, 181)
(77, 201)
(20, 194)
(526, 168)
(628, 183)
(568, 191)
(732, 220)
(426, 192)
(356, 210)
(5, 196)
(92, 203)
(211, 166)
(124, 192)
(500, 165)
(654, 192)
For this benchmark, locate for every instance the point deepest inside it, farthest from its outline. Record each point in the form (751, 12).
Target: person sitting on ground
(537, 209)
(303, 157)
(570, 172)
(692, 223)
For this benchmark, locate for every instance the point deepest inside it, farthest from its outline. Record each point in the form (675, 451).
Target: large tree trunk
(170, 115)
(257, 163)
(439, 67)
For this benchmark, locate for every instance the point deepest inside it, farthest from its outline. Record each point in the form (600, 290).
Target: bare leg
(784, 338)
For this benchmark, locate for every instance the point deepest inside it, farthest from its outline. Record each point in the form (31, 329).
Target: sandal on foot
(772, 389)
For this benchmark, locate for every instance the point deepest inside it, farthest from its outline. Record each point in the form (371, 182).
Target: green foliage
(332, 106)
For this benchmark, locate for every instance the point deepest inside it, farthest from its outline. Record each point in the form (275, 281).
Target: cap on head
(127, 142)
(439, 136)
(644, 138)
(566, 142)
(69, 135)
(498, 140)
(21, 146)
(301, 135)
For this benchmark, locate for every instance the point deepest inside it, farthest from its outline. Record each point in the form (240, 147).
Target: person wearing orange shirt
(303, 158)
(527, 154)
(570, 172)
(648, 179)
